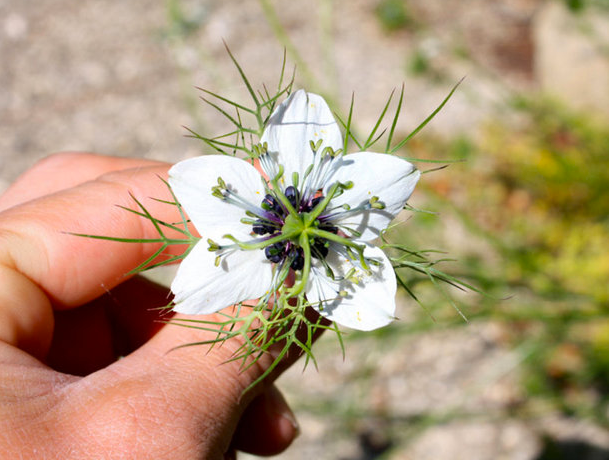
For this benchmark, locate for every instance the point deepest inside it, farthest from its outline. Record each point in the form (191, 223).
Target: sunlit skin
(67, 311)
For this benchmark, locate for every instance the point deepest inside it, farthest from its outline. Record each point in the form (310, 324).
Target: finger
(137, 310)
(61, 171)
(200, 382)
(71, 269)
(91, 337)
(43, 267)
(268, 426)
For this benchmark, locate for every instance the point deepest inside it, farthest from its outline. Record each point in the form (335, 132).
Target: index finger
(42, 267)
(64, 170)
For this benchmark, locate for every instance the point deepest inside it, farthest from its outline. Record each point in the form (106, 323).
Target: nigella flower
(314, 212)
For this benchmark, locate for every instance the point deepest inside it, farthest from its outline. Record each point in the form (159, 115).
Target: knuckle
(60, 159)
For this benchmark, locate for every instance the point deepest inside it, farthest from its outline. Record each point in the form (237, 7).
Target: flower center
(277, 220)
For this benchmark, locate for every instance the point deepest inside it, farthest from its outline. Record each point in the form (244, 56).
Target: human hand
(67, 312)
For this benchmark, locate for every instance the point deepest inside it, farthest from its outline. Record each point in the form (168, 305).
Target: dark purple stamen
(262, 228)
(269, 203)
(275, 217)
(292, 195)
(315, 201)
(275, 252)
(297, 255)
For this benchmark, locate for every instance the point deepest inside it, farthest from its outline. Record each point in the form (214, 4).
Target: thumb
(194, 393)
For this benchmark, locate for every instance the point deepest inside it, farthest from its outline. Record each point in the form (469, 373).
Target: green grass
(533, 202)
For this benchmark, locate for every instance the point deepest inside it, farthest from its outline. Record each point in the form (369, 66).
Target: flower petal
(192, 181)
(368, 305)
(385, 176)
(301, 118)
(201, 288)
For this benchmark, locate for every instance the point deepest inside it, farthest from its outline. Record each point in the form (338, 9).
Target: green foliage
(575, 5)
(534, 198)
(578, 6)
(247, 120)
(394, 14)
(180, 23)
(419, 64)
(553, 176)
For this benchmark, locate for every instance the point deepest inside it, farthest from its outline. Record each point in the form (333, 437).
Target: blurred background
(524, 210)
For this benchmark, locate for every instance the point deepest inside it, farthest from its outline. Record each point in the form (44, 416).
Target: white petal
(389, 178)
(192, 181)
(301, 118)
(201, 288)
(370, 304)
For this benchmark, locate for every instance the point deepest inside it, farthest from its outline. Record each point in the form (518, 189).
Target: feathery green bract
(258, 110)
(374, 137)
(159, 257)
(281, 322)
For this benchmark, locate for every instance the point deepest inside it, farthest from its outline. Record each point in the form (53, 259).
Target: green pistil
(334, 191)
(284, 200)
(303, 242)
(294, 225)
(259, 244)
(302, 229)
(310, 217)
(324, 234)
(277, 193)
(291, 230)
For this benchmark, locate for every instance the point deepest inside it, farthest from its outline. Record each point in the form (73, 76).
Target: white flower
(314, 211)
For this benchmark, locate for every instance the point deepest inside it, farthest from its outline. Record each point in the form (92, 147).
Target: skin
(67, 311)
